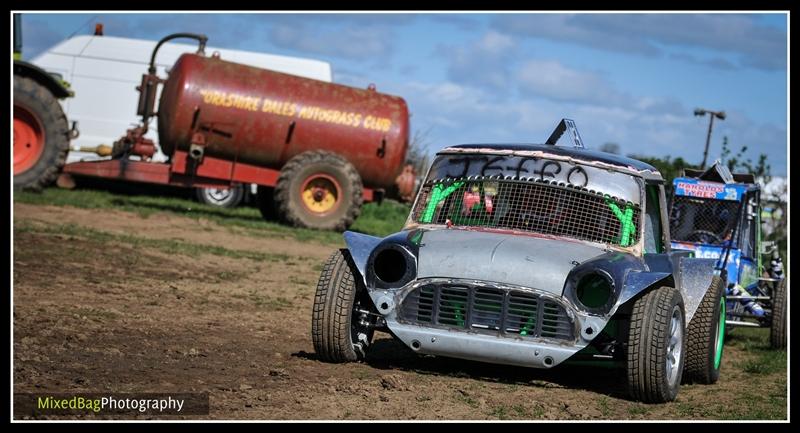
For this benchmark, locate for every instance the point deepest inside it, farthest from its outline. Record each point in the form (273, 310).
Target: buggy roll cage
(719, 173)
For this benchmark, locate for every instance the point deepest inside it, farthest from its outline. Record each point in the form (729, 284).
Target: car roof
(576, 153)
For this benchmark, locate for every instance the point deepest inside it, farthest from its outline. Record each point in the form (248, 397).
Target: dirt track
(105, 313)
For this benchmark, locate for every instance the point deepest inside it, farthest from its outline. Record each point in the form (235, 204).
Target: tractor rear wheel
(41, 135)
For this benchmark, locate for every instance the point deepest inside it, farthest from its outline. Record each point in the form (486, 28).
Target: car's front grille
(486, 309)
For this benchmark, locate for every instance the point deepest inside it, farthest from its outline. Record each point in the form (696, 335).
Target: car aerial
(530, 255)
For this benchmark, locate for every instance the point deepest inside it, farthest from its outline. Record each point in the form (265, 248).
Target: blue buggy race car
(717, 215)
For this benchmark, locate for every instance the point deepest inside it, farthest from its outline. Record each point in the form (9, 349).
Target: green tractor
(41, 130)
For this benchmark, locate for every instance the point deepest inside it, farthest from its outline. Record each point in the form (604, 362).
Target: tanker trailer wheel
(265, 201)
(340, 325)
(705, 336)
(41, 135)
(319, 189)
(225, 198)
(656, 346)
(777, 336)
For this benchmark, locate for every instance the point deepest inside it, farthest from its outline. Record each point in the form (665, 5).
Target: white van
(104, 72)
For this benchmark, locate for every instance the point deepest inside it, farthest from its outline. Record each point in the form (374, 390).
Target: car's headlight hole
(390, 265)
(594, 290)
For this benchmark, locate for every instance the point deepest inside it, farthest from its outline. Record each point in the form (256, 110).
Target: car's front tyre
(340, 327)
(656, 346)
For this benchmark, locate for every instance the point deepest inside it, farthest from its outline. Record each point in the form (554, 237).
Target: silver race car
(531, 255)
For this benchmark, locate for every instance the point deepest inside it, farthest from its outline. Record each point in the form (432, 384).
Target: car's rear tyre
(656, 346)
(777, 335)
(319, 189)
(337, 325)
(41, 135)
(705, 337)
(224, 198)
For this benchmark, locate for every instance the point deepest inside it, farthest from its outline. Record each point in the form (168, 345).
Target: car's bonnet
(523, 260)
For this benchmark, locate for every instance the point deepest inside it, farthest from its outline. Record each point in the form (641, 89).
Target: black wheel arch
(35, 73)
(626, 307)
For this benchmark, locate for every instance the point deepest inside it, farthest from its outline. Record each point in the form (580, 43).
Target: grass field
(376, 219)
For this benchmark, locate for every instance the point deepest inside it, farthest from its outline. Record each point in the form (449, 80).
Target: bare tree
(419, 151)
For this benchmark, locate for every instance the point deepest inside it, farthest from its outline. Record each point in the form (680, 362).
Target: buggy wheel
(705, 336)
(777, 336)
(339, 328)
(656, 346)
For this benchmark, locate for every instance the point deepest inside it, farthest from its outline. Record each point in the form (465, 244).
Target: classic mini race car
(531, 255)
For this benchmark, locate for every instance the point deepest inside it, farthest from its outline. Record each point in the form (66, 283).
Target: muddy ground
(108, 301)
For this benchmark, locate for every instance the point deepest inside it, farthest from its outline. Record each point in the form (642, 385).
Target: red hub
(28, 140)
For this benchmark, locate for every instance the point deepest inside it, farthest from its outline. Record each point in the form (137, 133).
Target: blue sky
(631, 79)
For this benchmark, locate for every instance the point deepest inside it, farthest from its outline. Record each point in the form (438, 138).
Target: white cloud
(647, 126)
(757, 45)
(351, 42)
(572, 28)
(494, 43)
(458, 114)
(553, 80)
(483, 62)
(714, 62)
(767, 138)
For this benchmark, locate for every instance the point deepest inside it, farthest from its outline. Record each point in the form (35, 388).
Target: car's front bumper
(486, 348)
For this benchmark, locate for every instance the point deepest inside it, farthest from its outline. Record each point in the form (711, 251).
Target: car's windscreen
(544, 196)
(703, 220)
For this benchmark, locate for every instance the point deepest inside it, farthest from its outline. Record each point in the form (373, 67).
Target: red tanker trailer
(317, 150)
